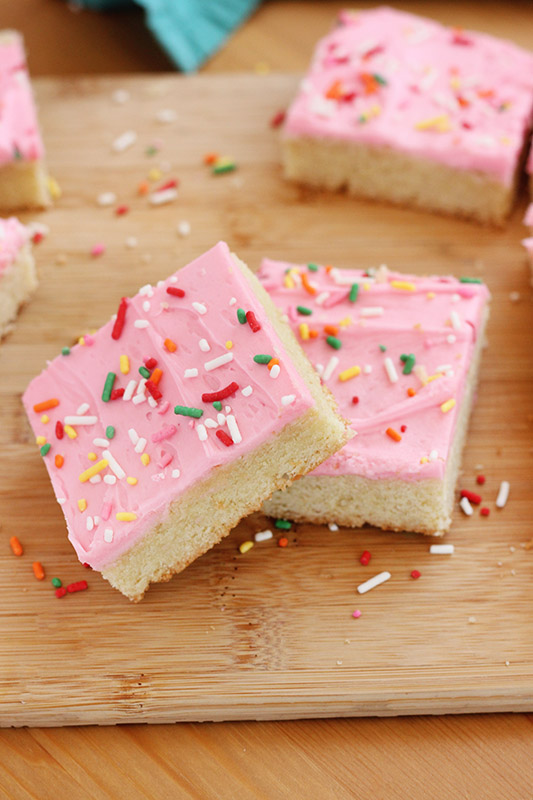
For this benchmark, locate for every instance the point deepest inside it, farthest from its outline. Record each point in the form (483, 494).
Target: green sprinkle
(409, 364)
(188, 411)
(108, 386)
(362, 119)
(465, 279)
(17, 155)
(404, 357)
(334, 342)
(262, 358)
(380, 79)
(312, 267)
(241, 315)
(57, 582)
(224, 166)
(352, 297)
(304, 310)
(383, 348)
(65, 351)
(144, 372)
(109, 432)
(218, 405)
(45, 448)
(151, 151)
(284, 524)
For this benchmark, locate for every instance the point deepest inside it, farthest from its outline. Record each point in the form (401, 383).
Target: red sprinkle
(37, 237)
(403, 428)
(176, 291)
(154, 391)
(120, 320)
(355, 400)
(252, 321)
(59, 429)
(116, 394)
(121, 210)
(472, 496)
(365, 558)
(283, 542)
(278, 119)
(224, 438)
(171, 184)
(415, 574)
(211, 397)
(86, 565)
(485, 511)
(79, 586)
(61, 592)
(481, 479)
(150, 363)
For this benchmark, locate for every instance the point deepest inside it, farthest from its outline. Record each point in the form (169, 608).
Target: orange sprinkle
(156, 375)
(46, 404)
(283, 542)
(313, 333)
(411, 392)
(59, 460)
(170, 345)
(272, 362)
(393, 434)
(369, 82)
(335, 91)
(328, 268)
(305, 283)
(38, 570)
(211, 158)
(331, 329)
(143, 188)
(16, 546)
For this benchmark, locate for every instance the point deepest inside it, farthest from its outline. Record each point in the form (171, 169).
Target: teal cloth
(190, 31)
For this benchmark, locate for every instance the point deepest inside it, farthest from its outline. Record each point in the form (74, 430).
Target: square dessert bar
(18, 277)
(23, 179)
(176, 419)
(401, 355)
(397, 107)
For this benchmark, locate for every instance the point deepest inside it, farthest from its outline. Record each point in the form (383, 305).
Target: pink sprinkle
(106, 510)
(97, 249)
(89, 340)
(163, 407)
(165, 433)
(165, 460)
(356, 614)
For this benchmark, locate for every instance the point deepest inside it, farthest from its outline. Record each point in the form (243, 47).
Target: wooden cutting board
(269, 634)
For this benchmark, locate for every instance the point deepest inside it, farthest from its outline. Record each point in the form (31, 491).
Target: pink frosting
(435, 319)
(398, 80)
(13, 235)
(261, 406)
(20, 138)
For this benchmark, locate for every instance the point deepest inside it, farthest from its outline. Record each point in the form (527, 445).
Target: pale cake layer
(23, 185)
(16, 285)
(380, 173)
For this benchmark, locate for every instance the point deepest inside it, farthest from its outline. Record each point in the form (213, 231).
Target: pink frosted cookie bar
(397, 107)
(23, 179)
(401, 355)
(176, 419)
(18, 277)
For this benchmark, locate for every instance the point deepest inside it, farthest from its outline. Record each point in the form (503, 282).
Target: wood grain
(270, 634)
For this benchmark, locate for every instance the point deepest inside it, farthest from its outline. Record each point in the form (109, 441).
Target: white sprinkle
(466, 508)
(61, 500)
(332, 365)
(287, 399)
(83, 408)
(472, 620)
(141, 388)
(333, 526)
(130, 388)
(218, 362)
(95, 479)
(106, 199)
(200, 307)
(455, 320)
(89, 523)
(441, 549)
(232, 301)
(101, 442)
(373, 582)
(221, 418)
(390, 369)
(321, 297)
(433, 455)
(184, 227)
(190, 373)
(201, 431)
(108, 535)
(512, 549)
(455, 298)
(146, 305)
(141, 323)
(262, 536)
(80, 420)
(451, 338)
(166, 115)
(320, 370)
(321, 106)
(141, 444)
(131, 242)
(503, 494)
(147, 289)
(227, 409)
(134, 436)
(175, 473)
(367, 369)
(247, 391)
(234, 429)
(114, 466)
(371, 311)
(210, 423)
(204, 345)
(96, 520)
(110, 479)
(507, 663)
(125, 140)
(151, 401)
(514, 297)
(120, 96)
(163, 196)
(274, 372)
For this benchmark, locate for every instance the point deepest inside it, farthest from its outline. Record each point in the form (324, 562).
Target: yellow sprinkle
(54, 188)
(351, 372)
(125, 516)
(92, 456)
(45, 418)
(440, 123)
(505, 140)
(417, 326)
(455, 83)
(154, 174)
(304, 330)
(405, 285)
(229, 344)
(433, 377)
(424, 460)
(131, 481)
(124, 365)
(366, 287)
(448, 405)
(145, 458)
(81, 341)
(245, 546)
(288, 282)
(40, 440)
(262, 68)
(430, 295)
(374, 111)
(82, 504)
(71, 433)
(345, 322)
(94, 470)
